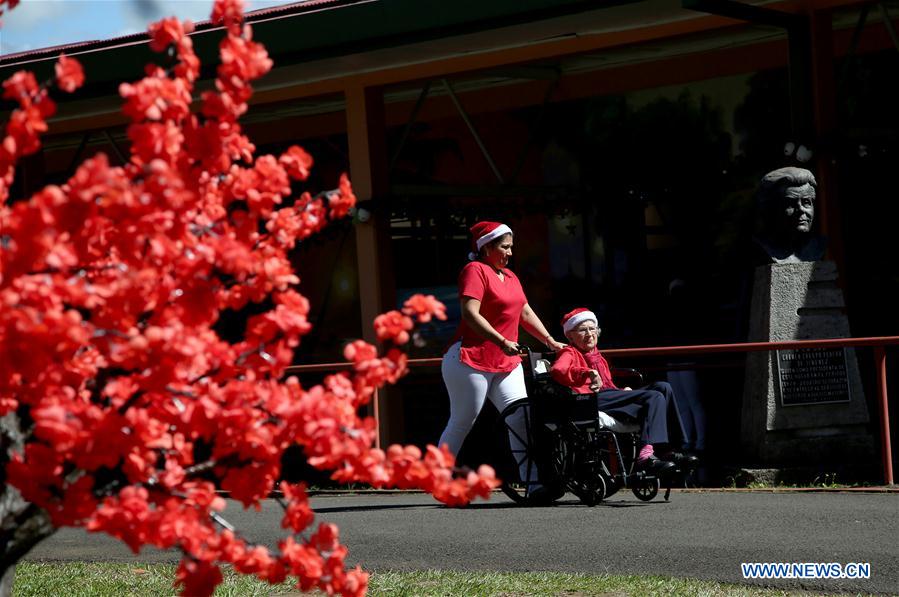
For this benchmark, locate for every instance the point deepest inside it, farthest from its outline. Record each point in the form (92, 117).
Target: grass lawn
(115, 580)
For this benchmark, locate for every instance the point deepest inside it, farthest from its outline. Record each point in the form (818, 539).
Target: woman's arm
(471, 314)
(535, 327)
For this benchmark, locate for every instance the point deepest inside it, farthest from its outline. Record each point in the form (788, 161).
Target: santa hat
(484, 232)
(572, 319)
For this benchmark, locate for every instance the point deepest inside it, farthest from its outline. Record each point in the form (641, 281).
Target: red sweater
(572, 366)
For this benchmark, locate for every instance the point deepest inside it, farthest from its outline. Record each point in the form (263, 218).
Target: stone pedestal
(802, 408)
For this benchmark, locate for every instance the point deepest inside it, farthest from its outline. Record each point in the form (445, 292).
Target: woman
(483, 362)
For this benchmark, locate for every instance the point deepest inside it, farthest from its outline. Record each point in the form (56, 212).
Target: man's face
(799, 208)
(585, 336)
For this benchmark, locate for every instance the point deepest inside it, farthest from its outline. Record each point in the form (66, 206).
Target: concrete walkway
(696, 535)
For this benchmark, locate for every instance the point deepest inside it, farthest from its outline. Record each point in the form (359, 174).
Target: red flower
(302, 561)
(25, 126)
(114, 288)
(297, 162)
(57, 426)
(69, 74)
(393, 326)
(256, 561)
(11, 4)
(343, 200)
(155, 140)
(221, 106)
(359, 351)
(126, 516)
(166, 32)
(355, 584)
(156, 98)
(197, 578)
(7, 404)
(77, 505)
(325, 538)
(423, 307)
(229, 13)
(249, 484)
(298, 514)
(20, 86)
(243, 60)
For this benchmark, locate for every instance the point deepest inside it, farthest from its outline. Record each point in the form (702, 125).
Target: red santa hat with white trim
(484, 232)
(574, 318)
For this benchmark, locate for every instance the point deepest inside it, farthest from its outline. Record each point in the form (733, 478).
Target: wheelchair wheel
(577, 463)
(612, 487)
(647, 489)
(590, 493)
(517, 466)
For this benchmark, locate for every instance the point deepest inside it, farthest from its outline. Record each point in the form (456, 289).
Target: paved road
(696, 535)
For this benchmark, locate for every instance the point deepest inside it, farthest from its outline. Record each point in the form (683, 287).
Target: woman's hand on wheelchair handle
(510, 348)
(553, 344)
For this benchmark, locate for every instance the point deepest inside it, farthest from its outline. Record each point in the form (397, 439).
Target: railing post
(377, 416)
(880, 360)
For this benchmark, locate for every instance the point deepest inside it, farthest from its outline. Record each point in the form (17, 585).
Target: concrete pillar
(366, 136)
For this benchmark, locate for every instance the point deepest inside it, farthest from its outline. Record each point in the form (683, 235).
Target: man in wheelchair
(582, 368)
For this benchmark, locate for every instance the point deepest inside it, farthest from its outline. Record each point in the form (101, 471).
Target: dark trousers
(653, 406)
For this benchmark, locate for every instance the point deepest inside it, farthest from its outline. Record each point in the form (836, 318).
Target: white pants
(467, 388)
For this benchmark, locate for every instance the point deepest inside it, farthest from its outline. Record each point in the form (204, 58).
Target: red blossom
(69, 74)
(302, 561)
(154, 140)
(113, 286)
(393, 326)
(343, 200)
(229, 13)
(167, 32)
(25, 127)
(197, 577)
(360, 351)
(20, 86)
(297, 162)
(10, 4)
(156, 98)
(424, 307)
(243, 60)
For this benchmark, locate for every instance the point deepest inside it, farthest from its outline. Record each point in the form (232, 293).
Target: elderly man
(582, 368)
(786, 201)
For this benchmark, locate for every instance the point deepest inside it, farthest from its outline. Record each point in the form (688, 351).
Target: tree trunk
(22, 525)
(21, 528)
(7, 581)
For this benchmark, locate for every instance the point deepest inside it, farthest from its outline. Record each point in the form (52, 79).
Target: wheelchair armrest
(541, 367)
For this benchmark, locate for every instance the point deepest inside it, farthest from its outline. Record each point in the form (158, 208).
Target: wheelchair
(564, 443)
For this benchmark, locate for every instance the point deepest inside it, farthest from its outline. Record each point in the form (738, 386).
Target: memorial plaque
(812, 376)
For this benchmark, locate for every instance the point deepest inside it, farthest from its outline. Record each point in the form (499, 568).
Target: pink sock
(645, 452)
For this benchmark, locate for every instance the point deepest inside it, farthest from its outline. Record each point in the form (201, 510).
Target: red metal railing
(879, 345)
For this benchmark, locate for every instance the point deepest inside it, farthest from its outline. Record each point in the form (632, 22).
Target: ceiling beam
(745, 12)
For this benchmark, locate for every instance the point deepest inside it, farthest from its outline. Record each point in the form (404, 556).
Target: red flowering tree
(123, 411)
